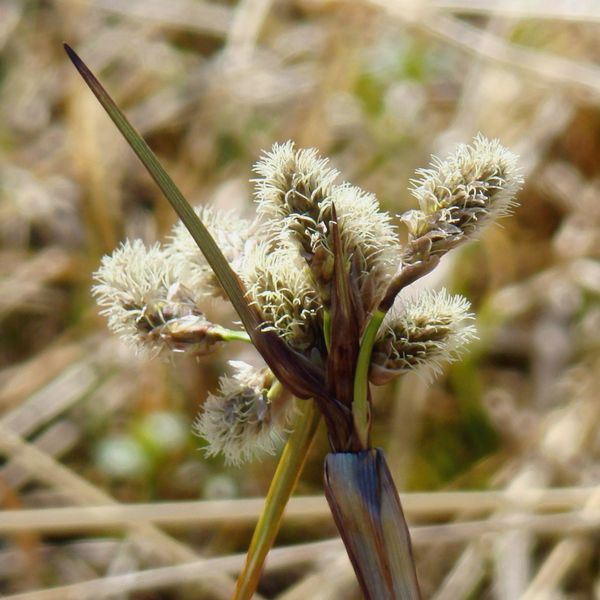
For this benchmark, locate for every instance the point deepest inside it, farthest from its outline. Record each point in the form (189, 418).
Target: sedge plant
(315, 280)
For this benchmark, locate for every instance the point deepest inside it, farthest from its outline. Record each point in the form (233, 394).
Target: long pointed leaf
(227, 277)
(284, 481)
(301, 377)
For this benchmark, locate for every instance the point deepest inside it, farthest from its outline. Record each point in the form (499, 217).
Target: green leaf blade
(218, 263)
(300, 376)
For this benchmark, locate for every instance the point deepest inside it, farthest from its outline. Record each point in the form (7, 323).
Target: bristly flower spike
(458, 197)
(148, 307)
(429, 330)
(247, 418)
(132, 288)
(278, 281)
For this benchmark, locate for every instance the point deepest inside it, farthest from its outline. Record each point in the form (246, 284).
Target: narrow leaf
(298, 374)
(284, 481)
(360, 403)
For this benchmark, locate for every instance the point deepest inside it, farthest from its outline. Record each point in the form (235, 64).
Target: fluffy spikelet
(292, 182)
(129, 281)
(240, 422)
(187, 261)
(430, 330)
(460, 196)
(138, 292)
(368, 235)
(296, 193)
(279, 283)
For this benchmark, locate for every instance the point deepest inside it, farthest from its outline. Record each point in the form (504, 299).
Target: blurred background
(378, 86)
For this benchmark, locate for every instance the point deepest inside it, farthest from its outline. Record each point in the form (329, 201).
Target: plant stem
(284, 481)
(232, 335)
(327, 328)
(360, 401)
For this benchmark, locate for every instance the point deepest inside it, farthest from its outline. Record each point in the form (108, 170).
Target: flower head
(432, 329)
(460, 196)
(292, 182)
(243, 421)
(138, 292)
(318, 272)
(279, 283)
(187, 261)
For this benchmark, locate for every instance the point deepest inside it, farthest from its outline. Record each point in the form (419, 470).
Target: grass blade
(298, 374)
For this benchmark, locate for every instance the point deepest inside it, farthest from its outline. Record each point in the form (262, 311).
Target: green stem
(284, 481)
(232, 335)
(327, 328)
(360, 402)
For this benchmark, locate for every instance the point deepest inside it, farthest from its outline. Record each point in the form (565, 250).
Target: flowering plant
(314, 280)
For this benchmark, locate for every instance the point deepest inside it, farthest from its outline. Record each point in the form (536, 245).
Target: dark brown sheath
(366, 508)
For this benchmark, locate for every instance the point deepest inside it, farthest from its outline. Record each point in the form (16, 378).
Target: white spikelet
(291, 181)
(240, 422)
(458, 197)
(187, 261)
(429, 330)
(279, 282)
(130, 281)
(365, 230)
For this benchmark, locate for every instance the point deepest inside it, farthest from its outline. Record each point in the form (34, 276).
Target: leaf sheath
(367, 511)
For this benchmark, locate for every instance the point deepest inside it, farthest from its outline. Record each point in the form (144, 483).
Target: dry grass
(500, 456)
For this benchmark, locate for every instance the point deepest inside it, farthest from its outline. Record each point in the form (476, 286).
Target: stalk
(360, 401)
(367, 511)
(284, 481)
(232, 335)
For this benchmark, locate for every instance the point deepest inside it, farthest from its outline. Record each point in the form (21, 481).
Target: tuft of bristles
(132, 286)
(187, 261)
(241, 422)
(368, 238)
(432, 329)
(292, 182)
(146, 305)
(279, 283)
(458, 197)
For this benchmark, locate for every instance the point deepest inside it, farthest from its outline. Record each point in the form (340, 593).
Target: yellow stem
(284, 481)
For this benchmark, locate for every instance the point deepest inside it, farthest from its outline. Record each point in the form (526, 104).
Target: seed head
(146, 306)
(368, 238)
(241, 421)
(460, 196)
(430, 330)
(292, 182)
(187, 261)
(279, 282)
